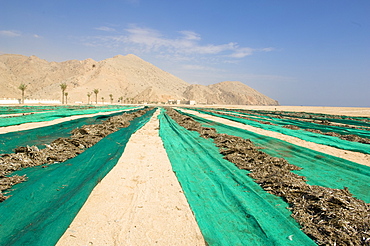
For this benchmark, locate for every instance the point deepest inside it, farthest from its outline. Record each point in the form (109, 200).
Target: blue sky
(298, 52)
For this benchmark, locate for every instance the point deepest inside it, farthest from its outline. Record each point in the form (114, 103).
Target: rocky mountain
(228, 92)
(127, 76)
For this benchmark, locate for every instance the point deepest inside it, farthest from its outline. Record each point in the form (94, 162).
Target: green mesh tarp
(306, 125)
(350, 120)
(302, 134)
(229, 207)
(58, 113)
(25, 109)
(5, 110)
(319, 168)
(41, 209)
(45, 135)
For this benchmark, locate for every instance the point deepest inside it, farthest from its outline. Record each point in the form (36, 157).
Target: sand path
(360, 158)
(139, 202)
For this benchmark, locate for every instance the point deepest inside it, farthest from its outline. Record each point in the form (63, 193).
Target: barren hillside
(127, 76)
(228, 92)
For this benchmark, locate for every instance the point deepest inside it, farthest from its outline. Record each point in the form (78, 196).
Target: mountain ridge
(128, 76)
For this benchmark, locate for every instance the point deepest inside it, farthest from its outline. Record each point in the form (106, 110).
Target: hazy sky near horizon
(306, 52)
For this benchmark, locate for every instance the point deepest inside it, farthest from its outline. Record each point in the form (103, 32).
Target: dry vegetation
(60, 149)
(328, 216)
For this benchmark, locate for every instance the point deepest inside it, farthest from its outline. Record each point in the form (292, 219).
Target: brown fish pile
(328, 216)
(60, 149)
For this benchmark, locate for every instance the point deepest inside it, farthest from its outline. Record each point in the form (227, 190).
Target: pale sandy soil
(361, 158)
(139, 202)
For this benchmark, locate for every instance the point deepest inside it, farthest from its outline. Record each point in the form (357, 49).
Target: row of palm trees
(63, 87)
(96, 91)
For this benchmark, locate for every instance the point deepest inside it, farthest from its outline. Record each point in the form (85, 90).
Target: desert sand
(140, 201)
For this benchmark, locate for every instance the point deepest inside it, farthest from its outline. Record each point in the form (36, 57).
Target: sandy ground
(32, 125)
(139, 202)
(361, 158)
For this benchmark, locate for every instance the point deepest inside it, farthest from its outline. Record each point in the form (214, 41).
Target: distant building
(178, 102)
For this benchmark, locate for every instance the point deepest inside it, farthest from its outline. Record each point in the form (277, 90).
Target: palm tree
(66, 94)
(88, 97)
(102, 100)
(96, 91)
(121, 99)
(63, 86)
(22, 87)
(111, 98)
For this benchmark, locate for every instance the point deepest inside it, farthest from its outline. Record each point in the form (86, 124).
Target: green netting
(45, 135)
(58, 113)
(44, 108)
(306, 125)
(24, 109)
(229, 207)
(302, 134)
(41, 209)
(350, 120)
(319, 168)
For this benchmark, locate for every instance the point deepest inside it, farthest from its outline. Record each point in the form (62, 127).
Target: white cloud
(36, 36)
(190, 35)
(212, 49)
(151, 39)
(242, 52)
(105, 29)
(187, 44)
(10, 33)
(268, 49)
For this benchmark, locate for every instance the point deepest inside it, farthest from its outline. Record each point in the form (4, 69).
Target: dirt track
(140, 202)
